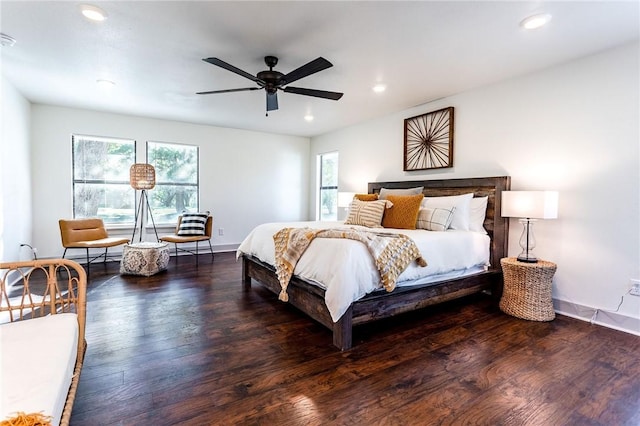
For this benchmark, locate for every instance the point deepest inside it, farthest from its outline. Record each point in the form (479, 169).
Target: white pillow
(384, 192)
(460, 202)
(438, 219)
(367, 213)
(477, 213)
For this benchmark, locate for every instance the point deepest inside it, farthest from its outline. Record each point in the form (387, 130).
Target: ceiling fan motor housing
(272, 80)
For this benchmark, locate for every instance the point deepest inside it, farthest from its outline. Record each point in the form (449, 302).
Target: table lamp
(529, 206)
(345, 199)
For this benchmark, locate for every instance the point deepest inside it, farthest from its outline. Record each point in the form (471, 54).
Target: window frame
(321, 187)
(172, 221)
(75, 181)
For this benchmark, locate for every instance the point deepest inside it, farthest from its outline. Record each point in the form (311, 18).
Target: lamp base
(527, 242)
(527, 259)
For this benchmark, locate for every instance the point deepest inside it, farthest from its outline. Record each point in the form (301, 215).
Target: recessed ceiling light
(105, 84)
(535, 21)
(308, 117)
(93, 12)
(379, 88)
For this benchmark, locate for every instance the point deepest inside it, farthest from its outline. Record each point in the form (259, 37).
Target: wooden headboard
(497, 227)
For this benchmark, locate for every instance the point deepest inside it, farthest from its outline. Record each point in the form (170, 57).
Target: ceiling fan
(272, 81)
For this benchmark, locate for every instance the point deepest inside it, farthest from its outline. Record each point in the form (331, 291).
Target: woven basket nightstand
(527, 289)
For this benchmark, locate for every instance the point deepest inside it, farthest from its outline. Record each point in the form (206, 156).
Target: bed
(42, 335)
(310, 296)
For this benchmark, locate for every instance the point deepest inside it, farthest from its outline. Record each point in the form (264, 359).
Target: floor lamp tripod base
(138, 217)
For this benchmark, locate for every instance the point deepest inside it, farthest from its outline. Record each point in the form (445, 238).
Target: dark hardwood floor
(190, 346)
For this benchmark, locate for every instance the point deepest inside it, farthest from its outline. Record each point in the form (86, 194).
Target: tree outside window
(177, 184)
(101, 178)
(328, 190)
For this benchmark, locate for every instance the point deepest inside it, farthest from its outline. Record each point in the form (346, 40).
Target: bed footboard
(380, 304)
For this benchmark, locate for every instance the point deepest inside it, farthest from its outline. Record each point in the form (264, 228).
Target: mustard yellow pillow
(366, 197)
(404, 213)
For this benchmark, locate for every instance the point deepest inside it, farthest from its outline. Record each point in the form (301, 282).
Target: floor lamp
(142, 177)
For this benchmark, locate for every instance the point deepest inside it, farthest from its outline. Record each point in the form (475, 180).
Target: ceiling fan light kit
(272, 81)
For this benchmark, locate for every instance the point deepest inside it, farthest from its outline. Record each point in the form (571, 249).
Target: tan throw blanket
(392, 253)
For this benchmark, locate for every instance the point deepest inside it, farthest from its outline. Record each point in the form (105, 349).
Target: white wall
(246, 178)
(573, 128)
(15, 171)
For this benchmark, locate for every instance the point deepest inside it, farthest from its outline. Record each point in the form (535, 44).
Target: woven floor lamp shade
(142, 176)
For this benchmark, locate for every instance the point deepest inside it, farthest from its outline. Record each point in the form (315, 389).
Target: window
(177, 182)
(101, 178)
(328, 190)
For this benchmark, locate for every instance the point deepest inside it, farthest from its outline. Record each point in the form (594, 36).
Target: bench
(42, 335)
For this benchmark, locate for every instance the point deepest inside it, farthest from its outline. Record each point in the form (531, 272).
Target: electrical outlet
(221, 231)
(635, 288)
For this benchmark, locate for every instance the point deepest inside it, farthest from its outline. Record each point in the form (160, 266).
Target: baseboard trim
(220, 248)
(217, 248)
(115, 253)
(598, 316)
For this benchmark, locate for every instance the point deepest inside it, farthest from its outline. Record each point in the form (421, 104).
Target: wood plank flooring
(189, 346)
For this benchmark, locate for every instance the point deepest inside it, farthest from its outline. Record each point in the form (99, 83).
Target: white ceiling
(422, 51)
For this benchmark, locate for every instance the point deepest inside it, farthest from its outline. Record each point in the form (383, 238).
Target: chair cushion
(81, 230)
(193, 224)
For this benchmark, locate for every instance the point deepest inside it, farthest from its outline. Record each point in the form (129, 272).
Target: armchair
(87, 234)
(177, 238)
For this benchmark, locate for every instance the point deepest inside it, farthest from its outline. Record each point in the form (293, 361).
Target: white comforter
(347, 271)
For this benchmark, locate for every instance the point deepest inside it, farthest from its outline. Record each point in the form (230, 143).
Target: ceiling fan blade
(222, 64)
(307, 69)
(228, 90)
(272, 101)
(312, 92)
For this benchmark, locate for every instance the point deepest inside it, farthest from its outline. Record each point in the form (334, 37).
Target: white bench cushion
(37, 359)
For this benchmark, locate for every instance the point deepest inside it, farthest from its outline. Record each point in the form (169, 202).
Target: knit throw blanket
(392, 253)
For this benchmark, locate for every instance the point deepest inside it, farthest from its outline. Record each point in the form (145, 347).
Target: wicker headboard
(497, 227)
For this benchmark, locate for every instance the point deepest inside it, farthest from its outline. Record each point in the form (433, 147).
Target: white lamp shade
(345, 198)
(530, 204)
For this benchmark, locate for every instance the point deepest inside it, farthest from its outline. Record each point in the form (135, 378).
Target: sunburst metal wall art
(428, 140)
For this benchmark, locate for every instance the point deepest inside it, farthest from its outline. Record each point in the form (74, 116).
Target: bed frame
(63, 283)
(379, 304)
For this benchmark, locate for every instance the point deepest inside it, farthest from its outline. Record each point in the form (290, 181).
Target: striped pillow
(436, 219)
(367, 213)
(193, 224)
